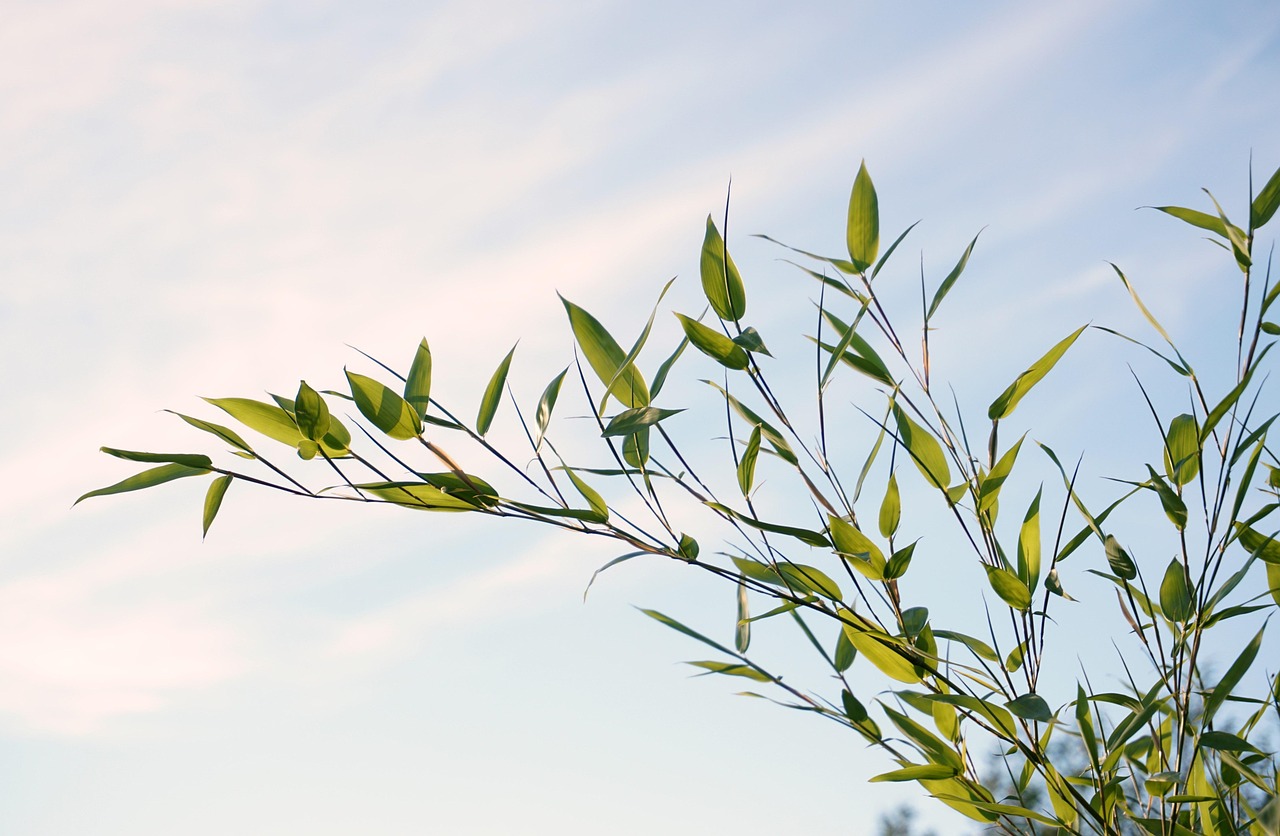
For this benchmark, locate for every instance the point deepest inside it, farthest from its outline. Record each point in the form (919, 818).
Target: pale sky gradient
(204, 198)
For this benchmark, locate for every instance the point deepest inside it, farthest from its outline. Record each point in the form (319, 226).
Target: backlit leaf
(189, 459)
(1009, 587)
(311, 413)
(546, 404)
(417, 386)
(1182, 451)
(384, 408)
(1175, 592)
(714, 344)
(1265, 204)
(147, 479)
(747, 463)
(720, 279)
(1004, 405)
(890, 509)
(1118, 559)
(925, 450)
(917, 772)
(594, 500)
(863, 231)
(632, 420)
(493, 394)
(605, 357)
(213, 500)
(856, 547)
(950, 280)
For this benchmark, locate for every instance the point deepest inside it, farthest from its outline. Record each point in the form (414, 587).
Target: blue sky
(217, 198)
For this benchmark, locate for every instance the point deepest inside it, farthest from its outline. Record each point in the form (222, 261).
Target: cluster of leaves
(1163, 757)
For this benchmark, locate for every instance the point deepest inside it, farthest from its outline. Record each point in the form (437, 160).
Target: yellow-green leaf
(1175, 592)
(890, 509)
(863, 231)
(606, 357)
(747, 464)
(1004, 405)
(857, 548)
(714, 344)
(213, 500)
(720, 279)
(594, 500)
(1182, 451)
(146, 479)
(1009, 587)
(384, 408)
(925, 450)
(417, 386)
(493, 394)
(311, 413)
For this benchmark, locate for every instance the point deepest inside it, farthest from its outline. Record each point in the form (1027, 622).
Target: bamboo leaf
(417, 495)
(925, 450)
(1030, 707)
(605, 357)
(863, 232)
(883, 651)
(1265, 204)
(417, 386)
(594, 500)
(213, 500)
(945, 287)
(890, 509)
(1004, 405)
(732, 669)
(857, 548)
(680, 628)
(1174, 508)
(546, 404)
(386, 410)
(1175, 592)
(196, 460)
(1182, 449)
(146, 479)
(224, 433)
(720, 279)
(767, 430)
(917, 772)
(1118, 559)
(991, 484)
(747, 464)
(1266, 549)
(899, 562)
(1010, 588)
(311, 413)
(632, 420)
(742, 632)
(493, 394)
(714, 344)
(1029, 544)
(1228, 681)
(268, 419)
(660, 377)
(804, 535)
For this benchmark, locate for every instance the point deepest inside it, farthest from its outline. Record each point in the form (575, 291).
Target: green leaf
(1010, 589)
(146, 479)
(845, 653)
(1000, 720)
(632, 420)
(605, 357)
(863, 232)
(917, 772)
(804, 535)
(925, 450)
(660, 377)
(1266, 549)
(417, 387)
(767, 430)
(747, 464)
(1015, 658)
(1118, 559)
(1182, 449)
(742, 632)
(862, 356)
(545, 405)
(751, 340)
(635, 448)
(1219, 412)
(1273, 581)
(1265, 204)
(1004, 405)
(265, 418)
(950, 280)
(930, 745)
(196, 460)
(1228, 681)
(732, 669)
(386, 410)
(493, 394)
(213, 500)
(224, 433)
(1224, 741)
(809, 579)
(680, 628)
(1174, 508)
(1030, 707)
(311, 413)
(417, 495)
(1175, 592)
(890, 509)
(720, 279)
(594, 500)
(977, 646)
(993, 481)
(468, 487)
(1010, 810)
(714, 344)
(1029, 544)
(688, 547)
(883, 651)
(1201, 220)
(856, 547)
(898, 564)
